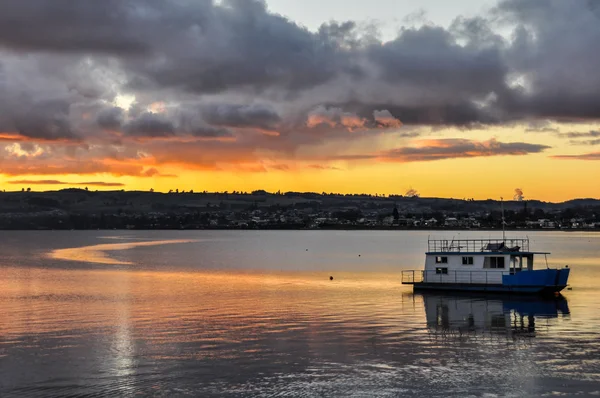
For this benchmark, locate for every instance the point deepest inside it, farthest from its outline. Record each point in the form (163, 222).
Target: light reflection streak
(123, 346)
(97, 253)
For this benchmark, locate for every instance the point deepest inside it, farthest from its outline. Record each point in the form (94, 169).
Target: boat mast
(503, 231)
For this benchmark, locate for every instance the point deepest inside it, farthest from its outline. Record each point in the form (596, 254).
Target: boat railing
(477, 245)
(476, 277)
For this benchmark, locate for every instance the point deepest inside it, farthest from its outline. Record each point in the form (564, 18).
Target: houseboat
(485, 265)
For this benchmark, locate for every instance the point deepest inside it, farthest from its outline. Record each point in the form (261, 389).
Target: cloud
(583, 156)
(260, 116)
(56, 159)
(541, 126)
(207, 43)
(588, 134)
(150, 125)
(38, 182)
(45, 120)
(110, 118)
(57, 182)
(578, 137)
(550, 51)
(153, 172)
(101, 76)
(463, 74)
(279, 167)
(154, 125)
(542, 130)
(452, 114)
(430, 59)
(70, 167)
(384, 118)
(322, 167)
(441, 149)
(460, 148)
(332, 117)
(110, 26)
(324, 116)
(586, 142)
(101, 184)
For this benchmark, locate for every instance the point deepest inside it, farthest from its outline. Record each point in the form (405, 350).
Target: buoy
(331, 278)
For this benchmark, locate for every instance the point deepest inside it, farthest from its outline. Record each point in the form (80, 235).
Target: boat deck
(544, 281)
(477, 245)
(412, 277)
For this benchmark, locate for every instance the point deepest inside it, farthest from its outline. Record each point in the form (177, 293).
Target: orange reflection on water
(171, 307)
(97, 253)
(118, 318)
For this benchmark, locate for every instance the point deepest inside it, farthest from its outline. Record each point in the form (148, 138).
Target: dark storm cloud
(45, 120)
(209, 47)
(107, 26)
(190, 122)
(233, 115)
(110, 118)
(208, 131)
(553, 47)
(212, 48)
(158, 125)
(150, 125)
(203, 59)
(430, 58)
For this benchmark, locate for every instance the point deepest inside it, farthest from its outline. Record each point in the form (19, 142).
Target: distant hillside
(92, 202)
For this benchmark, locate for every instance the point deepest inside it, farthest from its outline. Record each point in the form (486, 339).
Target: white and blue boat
(485, 265)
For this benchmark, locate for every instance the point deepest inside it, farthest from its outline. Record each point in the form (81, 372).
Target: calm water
(255, 314)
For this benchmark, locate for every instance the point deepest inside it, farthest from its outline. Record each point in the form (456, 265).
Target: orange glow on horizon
(457, 178)
(450, 163)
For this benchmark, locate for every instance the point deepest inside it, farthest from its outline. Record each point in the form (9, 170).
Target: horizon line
(284, 193)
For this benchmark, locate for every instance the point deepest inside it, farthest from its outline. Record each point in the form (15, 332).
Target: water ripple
(236, 333)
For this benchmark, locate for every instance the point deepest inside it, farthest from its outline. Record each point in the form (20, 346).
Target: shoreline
(340, 228)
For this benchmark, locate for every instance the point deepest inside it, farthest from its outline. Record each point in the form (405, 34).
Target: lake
(253, 313)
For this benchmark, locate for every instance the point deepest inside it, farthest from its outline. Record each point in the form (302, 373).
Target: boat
(485, 265)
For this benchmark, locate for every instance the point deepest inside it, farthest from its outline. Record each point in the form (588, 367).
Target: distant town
(86, 209)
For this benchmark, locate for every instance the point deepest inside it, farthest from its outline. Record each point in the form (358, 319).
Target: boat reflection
(467, 315)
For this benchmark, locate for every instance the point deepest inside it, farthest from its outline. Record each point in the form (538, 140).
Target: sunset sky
(467, 99)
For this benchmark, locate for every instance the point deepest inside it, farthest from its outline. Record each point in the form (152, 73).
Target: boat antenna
(503, 231)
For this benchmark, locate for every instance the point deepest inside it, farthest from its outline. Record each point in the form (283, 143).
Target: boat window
(441, 260)
(493, 262)
(467, 260)
(440, 270)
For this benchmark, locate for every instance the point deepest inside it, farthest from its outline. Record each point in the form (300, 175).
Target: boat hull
(489, 288)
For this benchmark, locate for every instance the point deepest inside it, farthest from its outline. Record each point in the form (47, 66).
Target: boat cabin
(477, 260)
